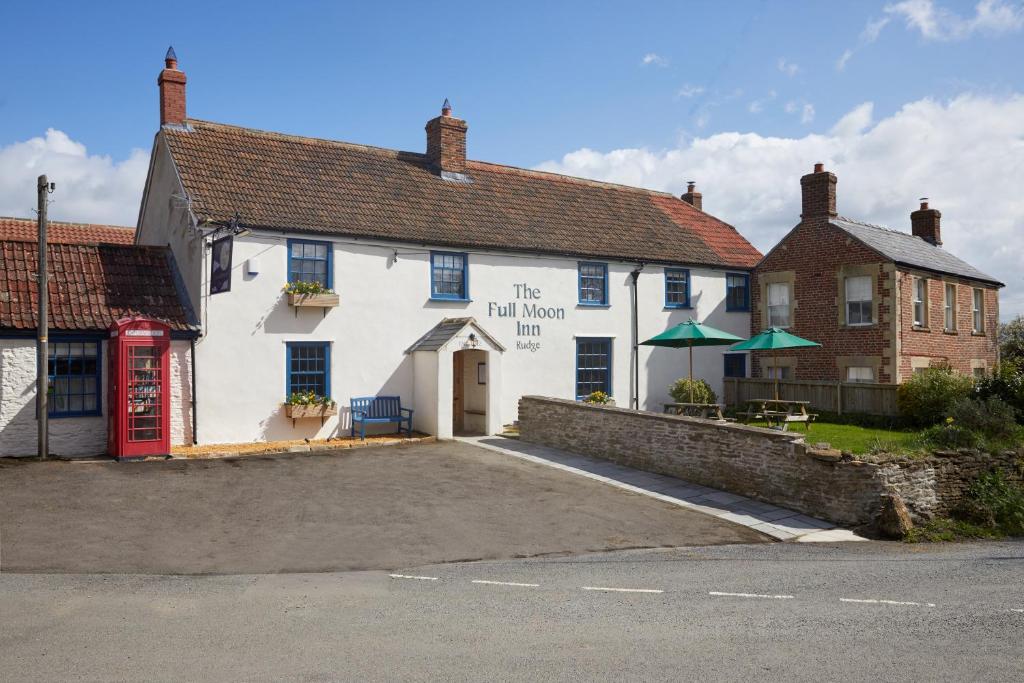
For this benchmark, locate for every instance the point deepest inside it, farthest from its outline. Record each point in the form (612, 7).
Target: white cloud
(689, 91)
(843, 59)
(792, 107)
(807, 113)
(939, 23)
(967, 155)
(869, 35)
(757, 106)
(655, 59)
(90, 188)
(788, 68)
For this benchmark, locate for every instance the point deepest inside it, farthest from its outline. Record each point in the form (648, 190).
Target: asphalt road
(954, 615)
(369, 508)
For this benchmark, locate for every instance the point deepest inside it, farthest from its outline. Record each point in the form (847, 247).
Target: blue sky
(566, 85)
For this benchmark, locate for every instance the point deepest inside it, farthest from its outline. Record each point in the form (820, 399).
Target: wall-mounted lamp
(472, 341)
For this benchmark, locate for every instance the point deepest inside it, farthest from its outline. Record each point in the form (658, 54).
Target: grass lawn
(858, 440)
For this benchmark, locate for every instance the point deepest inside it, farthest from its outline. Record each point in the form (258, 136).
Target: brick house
(882, 303)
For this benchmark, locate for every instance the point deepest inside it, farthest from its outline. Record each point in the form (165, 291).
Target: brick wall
(814, 252)
(931, 344)
(762, 464)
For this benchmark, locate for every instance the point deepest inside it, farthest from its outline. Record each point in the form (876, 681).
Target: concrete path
(780, 523)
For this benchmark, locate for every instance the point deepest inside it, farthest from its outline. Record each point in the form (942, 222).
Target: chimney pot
(819, 193)
(172, 91)
(692, 197)
(446, 108)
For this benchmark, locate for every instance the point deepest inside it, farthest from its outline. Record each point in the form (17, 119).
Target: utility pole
(42, 335)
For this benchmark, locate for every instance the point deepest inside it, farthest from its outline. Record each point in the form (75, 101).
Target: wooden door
(458, 392)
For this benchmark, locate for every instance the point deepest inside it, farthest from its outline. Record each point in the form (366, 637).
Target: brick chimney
(692, 196)
(172, 91)
(819, 193)
(446, 142)
(924, 223)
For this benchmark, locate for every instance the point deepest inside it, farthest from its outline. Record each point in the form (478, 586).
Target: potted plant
(599, 398)
(308, 404)
(310, 294)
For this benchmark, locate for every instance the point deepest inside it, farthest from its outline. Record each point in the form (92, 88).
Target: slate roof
(91, 286)
(311, 185)
(62, 232)
(445, 331)
(910, 250)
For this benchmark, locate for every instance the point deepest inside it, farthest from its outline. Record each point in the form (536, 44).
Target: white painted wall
(386, 306)
(73, 436)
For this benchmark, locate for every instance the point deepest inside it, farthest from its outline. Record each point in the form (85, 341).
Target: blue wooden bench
(379, 410)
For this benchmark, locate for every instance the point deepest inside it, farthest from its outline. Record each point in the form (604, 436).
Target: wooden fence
(836, 397)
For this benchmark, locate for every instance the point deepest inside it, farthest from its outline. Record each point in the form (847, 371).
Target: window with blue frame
(309, 368)
(677, 288)
(74, 378)
(737, 292)
(310, 261)
(593, 284)
(448, 277)
(593, 366)
(735, 364)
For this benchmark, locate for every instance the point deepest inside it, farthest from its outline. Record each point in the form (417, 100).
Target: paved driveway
(364, 509)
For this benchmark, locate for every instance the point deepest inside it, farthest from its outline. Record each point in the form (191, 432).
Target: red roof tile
(61, 232)
(90, 286)
(287, 182)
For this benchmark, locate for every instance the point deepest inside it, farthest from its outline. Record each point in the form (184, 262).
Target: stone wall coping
(711, 425)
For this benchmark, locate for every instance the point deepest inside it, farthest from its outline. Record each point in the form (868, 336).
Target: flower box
(298, 411)
(314, 300)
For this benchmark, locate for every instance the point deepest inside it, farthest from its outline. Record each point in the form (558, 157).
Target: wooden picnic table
(779, 413)
(705, 410)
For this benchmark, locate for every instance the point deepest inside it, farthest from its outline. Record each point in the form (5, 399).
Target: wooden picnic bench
(779, 413)
(379, 410)
(705, 410)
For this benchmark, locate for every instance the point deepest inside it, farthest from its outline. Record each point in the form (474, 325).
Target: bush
(927, 397)
(1006, 384)
(992, 418)
(996, 501)
(702, 392)
(598, 398)
(951, 435)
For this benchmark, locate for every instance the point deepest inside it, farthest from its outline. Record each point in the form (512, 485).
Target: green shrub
(996, 501)
(951, 435)
(702, 392)
(947, 529)
(1007, 384)
(927, 397)
(991, 417)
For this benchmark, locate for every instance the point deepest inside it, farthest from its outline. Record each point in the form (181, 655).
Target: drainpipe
(192, 351)
(635, 274)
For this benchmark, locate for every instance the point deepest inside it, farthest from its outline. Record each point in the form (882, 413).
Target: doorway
(469, 392)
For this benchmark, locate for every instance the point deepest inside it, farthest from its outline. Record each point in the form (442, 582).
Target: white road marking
(751, 595)
(418, 578)
(622, 590)
(506, 583)
(887, 602)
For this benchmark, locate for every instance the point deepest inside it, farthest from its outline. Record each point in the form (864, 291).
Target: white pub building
(456, 285)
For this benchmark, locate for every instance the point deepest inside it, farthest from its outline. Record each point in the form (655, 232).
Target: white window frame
(949, 307)
(978, 310)
(858, 304)
(920, 299)
(786, 305)
(778, 372)
(868, 376)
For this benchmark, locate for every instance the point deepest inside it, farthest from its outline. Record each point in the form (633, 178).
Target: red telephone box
(139, 402)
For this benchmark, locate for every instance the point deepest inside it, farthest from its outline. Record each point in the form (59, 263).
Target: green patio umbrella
(690, 334)
(774, 338)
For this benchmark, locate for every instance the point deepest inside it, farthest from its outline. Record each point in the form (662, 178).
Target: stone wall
(763, 464)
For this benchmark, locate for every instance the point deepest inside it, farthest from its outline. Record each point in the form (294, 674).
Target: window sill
(920, 328)
(859, 326)
(448, 300)
(952, 332)
(64, 416)
(678, 307)
(583, 305)
(978, 334)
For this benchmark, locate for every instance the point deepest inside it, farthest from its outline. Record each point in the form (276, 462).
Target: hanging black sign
(220, 267)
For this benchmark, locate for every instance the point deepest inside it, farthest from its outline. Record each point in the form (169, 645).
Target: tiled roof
(910, 250)
(320, 186)
(90, 286)
(443, 332)
(61, 232)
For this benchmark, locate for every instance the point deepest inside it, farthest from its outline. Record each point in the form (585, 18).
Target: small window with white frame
(778, 372)
(949, 307)
(858, 300)
(978, 311)
(856, 373)
(778, 304)
(920, 302)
